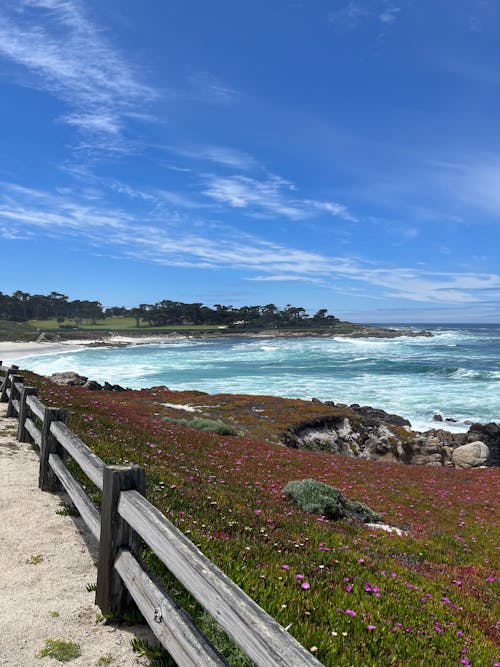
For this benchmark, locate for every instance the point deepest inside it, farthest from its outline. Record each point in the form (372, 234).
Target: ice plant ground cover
(351, 595)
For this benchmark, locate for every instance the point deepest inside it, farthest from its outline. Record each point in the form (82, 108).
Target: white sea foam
(449, 372)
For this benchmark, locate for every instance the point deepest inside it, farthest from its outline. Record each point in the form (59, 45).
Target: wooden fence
(125, 518)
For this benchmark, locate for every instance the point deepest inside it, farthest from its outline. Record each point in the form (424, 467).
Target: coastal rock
(437, 418)
(471, 455)
(381, 415)
(113, 387)
(376, 435)
(69, 379)
(93, 385)
(490, 435)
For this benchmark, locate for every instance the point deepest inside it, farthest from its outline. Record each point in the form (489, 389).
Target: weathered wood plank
(36, 406)
(24, 412)
(5, 384)
(91, 464)
(111, 595)
(88, 511)
(15, 407)
(173, 627)
(262, 638)
(15, 382)
(35, 433)
(47, 480)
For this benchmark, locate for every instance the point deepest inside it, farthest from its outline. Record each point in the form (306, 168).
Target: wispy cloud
(222, 155)
(174, 241)
(273, 196)
(474, 182)
(207, 87)
(349, 16)
(355, 13)
(65, 54)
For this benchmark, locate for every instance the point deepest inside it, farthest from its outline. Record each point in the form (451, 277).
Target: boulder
(93, 385)
(69, 379)
(471, 455)
(490, 435)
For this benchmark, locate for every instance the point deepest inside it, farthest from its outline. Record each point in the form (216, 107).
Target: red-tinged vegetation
(356, 595)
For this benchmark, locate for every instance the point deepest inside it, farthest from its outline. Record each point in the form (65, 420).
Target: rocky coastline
(141, 336)
(369, 433)
(358, 431)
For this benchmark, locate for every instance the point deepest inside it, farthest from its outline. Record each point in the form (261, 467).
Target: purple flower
(305, 586)
(350, 612)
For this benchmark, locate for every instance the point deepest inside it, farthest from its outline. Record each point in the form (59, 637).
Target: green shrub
(362, 512)
(62, 651)
(316, 497)
(203, 424)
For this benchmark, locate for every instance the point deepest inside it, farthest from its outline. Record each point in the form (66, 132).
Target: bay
(455, 373)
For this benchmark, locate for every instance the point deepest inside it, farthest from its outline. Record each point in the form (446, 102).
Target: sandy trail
(47, 599)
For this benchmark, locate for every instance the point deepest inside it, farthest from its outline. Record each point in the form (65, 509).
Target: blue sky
(316, 152)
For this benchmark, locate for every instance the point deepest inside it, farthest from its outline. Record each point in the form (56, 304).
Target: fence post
(5, 384)
(47, 479)
(24, 413)
(111, 595)
(10, 407)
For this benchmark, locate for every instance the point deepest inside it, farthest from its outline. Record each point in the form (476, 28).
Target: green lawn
(117, 324)
(14, 331)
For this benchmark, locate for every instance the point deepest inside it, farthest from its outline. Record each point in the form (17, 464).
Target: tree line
(22, 306)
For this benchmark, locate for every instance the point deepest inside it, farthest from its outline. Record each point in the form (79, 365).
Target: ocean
(456, 373)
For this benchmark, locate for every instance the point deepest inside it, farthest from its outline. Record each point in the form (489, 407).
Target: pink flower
(285, 567)
(299, 576)
(305, 586)
(258, 512)
(370, 627)
(348, 589)
(350, 612)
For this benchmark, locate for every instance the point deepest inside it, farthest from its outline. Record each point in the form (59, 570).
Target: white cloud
(355, 14)
(273, 196)
(227, 157)
(171, 241)
(65, 54)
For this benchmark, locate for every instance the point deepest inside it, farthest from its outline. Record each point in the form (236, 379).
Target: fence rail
(124, 519)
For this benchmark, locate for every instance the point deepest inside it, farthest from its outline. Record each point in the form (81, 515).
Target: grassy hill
(350, 594)
(14, 331)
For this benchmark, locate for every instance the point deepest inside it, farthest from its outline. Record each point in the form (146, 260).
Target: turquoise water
(455, 373)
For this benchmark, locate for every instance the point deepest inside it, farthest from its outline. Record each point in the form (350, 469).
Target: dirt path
(45, 565)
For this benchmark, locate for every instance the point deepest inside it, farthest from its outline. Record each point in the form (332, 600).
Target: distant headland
(29, 317)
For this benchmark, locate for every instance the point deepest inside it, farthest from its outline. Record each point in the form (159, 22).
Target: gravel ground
(45, 565)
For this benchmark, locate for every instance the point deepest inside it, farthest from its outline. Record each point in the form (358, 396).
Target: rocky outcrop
(69, 379)
(373, 434)
(471, 455)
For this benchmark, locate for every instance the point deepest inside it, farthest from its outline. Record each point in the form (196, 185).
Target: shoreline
(10, 350)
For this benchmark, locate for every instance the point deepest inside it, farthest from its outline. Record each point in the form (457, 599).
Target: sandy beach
(10, 352)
